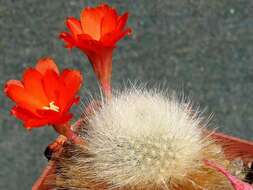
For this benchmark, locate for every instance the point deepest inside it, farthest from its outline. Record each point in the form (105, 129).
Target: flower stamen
(52, 107)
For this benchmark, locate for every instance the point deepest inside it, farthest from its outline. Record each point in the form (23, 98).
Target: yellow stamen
(52, 107)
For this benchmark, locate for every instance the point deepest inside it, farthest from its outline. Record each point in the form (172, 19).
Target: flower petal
(91, 20)
(35, 123)
(14, 83)
(51, 85)
(74, 26)
(45, 64)
(29, 119)
(32, 80)
(122, 20)
(85, 43)
(109, 22)
(112, 38)
(53, 117)
(68, 39)
(16, 91)
(63, 119)
(71, 81)
(21, 113)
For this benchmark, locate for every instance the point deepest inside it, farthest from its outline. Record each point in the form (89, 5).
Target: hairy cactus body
(141, 140)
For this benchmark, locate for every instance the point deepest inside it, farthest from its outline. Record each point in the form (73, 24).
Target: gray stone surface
(203, 48)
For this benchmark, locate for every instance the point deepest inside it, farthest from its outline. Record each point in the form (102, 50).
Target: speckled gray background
(201, 47)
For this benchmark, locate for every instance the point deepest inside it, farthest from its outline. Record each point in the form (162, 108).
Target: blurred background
(202, 48)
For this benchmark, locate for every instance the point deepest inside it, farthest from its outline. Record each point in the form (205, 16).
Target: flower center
(52, 107)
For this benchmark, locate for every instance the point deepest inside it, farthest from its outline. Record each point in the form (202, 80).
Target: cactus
(142, 139)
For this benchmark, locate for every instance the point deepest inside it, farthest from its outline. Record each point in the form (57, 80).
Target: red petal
(15, 91)
(68, 39)
(45, 64)
(122, 20)
(22, 114)
(63, 119)
(71, 81)
(74, 26)
(91, 20)
(53, 117)
(32, 80)
(109, 22)
(35, 123)
(51, 85)
(29, 119)
(75, 100)
(12, 82)
(86, 44)
(85, 37)
(122, 34)
(112, 38)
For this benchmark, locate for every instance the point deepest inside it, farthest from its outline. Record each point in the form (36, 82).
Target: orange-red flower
(96, 34)
(44, 96)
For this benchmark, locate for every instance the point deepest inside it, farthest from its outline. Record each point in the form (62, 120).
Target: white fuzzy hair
(142, 137)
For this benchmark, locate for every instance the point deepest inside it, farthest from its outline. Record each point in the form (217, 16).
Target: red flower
(44, 96)
(236, 183)
(96, 34)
